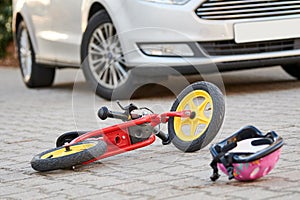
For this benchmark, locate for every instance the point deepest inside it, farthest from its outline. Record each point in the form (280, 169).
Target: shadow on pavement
(258, 80)
(237, 82)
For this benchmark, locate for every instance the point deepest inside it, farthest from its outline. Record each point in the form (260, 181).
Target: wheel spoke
(96, 49)
(118, 51)
(114, 76)
(108, 30)
(120, 70)
(192, 105)
(120, 60)
(186, 121)
(106, 76)
(96, 53)
(110, 77)
(98, 37)
(203, 105)
(114, 42)
(101, 37)
(201, 109)
(99, 67)
(103, 70)
(203, 119)
(98, 61)
(119, 74)
(193, 128)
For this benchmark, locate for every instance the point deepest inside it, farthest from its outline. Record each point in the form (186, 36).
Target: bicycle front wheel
(206, 101)
(63, 158)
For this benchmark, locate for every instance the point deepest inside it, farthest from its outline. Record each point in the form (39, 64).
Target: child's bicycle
(194, 120)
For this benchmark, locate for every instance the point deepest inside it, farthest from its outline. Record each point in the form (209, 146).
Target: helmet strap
(215, 174)
(226, 160)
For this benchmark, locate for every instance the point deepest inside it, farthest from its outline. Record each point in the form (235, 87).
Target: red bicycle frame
(117, 137)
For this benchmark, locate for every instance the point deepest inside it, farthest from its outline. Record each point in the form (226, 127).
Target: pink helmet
(246, 155)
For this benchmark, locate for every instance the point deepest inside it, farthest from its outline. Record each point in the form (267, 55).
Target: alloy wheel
(105, 57)
(25, 55)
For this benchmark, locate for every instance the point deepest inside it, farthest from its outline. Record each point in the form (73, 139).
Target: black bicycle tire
(68, 137)
(64, 162)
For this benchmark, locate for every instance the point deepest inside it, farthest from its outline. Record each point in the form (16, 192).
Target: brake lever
(128, 109)
(119, 104)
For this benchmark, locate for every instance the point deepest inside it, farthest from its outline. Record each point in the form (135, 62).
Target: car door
(38, 20)
(66, 26)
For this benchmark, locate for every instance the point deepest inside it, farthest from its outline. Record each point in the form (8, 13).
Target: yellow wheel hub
(64, 152)
(200, 102)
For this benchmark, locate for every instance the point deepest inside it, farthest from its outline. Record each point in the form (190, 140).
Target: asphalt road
(32, 119)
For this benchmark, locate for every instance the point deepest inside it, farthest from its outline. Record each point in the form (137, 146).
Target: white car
(119, 43)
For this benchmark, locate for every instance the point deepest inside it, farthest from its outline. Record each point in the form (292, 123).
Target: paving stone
(32, 119)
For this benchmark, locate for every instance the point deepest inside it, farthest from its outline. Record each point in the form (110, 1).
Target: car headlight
(174, 2)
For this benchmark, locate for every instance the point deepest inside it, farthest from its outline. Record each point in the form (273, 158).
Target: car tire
(33, 74)
(102, 58)
(292, 69)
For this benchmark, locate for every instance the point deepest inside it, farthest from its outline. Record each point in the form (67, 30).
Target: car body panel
(57, 39)
(66, 30)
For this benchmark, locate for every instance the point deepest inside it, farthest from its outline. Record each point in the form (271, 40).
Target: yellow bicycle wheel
(206, 102)
(200, 102)
(62, 158)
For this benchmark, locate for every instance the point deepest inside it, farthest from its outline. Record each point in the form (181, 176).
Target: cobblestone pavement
(31, 120)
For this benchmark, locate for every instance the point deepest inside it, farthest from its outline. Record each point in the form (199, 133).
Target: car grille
(242, 9)
(229, 47)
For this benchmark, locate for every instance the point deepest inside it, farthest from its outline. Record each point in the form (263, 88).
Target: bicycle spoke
(203, 105)
(186, 121)
(193, 128)
(203, 119)
(192, 105)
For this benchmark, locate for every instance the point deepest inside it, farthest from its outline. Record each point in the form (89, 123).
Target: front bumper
(158, 23)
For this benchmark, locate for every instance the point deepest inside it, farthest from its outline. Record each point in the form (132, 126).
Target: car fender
(111, 7)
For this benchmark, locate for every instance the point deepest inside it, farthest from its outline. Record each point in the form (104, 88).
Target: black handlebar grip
(103, 113)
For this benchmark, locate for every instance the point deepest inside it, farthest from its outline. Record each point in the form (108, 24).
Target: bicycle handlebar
(104, 113)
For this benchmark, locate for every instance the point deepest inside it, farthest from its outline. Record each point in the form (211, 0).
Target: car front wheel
(33, 74)
(102, 58)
